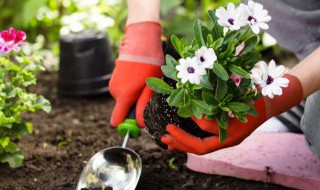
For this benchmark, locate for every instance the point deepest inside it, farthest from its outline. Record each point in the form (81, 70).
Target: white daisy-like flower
(269, 78)
(206, 57)
(230, 17)
(255, 16)
(190, 70)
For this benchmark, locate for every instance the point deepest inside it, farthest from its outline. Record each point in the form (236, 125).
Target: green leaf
(185, 111)
(11, 148)
(177, 97)
(202, 106)
(221, 89)
(159, 86)
(171, 62)
(41, 103)
(197, 30)
(250, 43)
(169, 72)
(239, 71)
(230, 49)
(217, 31)
(206, 83)
(217, 44)
(238, 106)
(252, 111)
(14, 159)
(222, 135)
(219, 70)
(176, 44)
(4, 141)
(209, 98)
(209, 40)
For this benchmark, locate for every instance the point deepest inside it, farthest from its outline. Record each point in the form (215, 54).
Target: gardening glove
(140, 57)
(237, 130)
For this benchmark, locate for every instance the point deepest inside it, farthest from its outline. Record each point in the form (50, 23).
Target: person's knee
(310, 123)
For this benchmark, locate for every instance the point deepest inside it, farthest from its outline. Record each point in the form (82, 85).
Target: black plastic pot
(86, 64)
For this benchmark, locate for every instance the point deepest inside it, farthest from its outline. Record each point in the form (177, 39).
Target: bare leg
(143, 10)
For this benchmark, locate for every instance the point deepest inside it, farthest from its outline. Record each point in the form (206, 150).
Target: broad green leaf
(219, 70)
(250, 43)
(159, 86)
(14, 159)
(171, 62)
(202, 106)
(239, 71)
(11, 148)
(206, 83)
(168, 72)
(221, 89)
(177, 97)
(42, 104)
(238, 106)
(185, 111)
(197, 30)
(209, 98)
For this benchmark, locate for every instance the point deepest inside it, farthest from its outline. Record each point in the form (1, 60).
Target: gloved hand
(237, 130)
(140, 57)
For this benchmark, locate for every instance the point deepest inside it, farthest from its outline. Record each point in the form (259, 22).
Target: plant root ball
(158, 114)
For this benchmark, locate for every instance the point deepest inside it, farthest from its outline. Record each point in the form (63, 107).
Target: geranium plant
(216, 75)
(17, 73)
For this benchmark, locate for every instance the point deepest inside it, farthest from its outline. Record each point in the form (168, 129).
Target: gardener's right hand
(237, 131)
(140, 57)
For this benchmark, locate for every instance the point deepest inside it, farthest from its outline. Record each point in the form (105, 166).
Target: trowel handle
(130, 125)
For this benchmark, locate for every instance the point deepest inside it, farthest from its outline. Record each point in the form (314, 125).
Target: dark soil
(77, 128)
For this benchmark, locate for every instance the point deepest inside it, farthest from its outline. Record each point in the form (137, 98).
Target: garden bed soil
(77, 128)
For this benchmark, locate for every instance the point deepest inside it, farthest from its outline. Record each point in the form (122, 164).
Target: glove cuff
(142, 43)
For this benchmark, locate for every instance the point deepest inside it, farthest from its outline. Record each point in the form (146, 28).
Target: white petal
(263, 25)
(255, 29)
(271, 67)
(278, 72)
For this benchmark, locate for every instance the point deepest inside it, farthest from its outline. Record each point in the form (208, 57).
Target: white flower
(190, 70)
(255, 16)
(206, 57)
(230, 17)
(269, 77)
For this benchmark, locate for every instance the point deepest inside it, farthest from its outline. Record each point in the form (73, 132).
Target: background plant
(17, 73)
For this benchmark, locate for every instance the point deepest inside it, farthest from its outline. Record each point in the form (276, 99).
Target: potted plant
(215, 75)
(17, 73)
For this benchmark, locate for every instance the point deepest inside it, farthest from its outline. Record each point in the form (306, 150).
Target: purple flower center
(269, 80)
(231, 21)
(202, 59)
(190, 70)
(251, 18)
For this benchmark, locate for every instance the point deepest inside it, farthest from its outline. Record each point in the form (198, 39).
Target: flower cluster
(252, 14)
(219, 72)
(11, 40)
(193, 69)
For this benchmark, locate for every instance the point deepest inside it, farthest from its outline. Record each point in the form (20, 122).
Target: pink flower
(11, 40)
(236, 79)
(239, 48)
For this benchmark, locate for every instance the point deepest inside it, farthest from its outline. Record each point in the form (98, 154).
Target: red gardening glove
(237, 130)
(140, 57)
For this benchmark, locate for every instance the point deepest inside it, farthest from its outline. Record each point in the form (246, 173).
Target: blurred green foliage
(43, 18)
